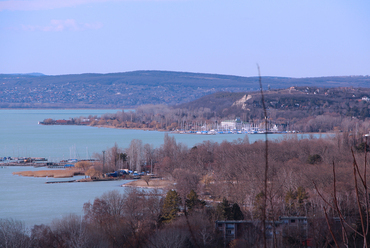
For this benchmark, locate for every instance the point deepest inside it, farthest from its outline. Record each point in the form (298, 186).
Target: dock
(70, 181)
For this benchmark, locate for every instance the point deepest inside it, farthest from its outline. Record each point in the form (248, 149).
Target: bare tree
(13, 234)
(146, 179)
(135, 154)
(149, 157)
(363, 207)
(169, 238)
(185, 182)
(70, 231)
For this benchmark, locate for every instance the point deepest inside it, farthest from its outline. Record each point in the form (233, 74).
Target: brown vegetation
(304, 109)
(153, 183)
(230, 177)
(49, 173)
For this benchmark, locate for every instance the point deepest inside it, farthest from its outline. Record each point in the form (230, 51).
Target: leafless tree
(185, 182)
(149, 157)
(169, 238)
(135, 154)
(13, 234)
(70, 231)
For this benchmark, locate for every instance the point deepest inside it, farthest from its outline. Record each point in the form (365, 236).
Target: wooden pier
(70, 181)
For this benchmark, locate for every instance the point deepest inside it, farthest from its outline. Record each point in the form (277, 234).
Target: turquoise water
(32, 200)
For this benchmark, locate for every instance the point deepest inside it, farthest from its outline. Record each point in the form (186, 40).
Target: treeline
(154, 117)
(303, 109)
(133, 219)
(299, 183)
(234, 169)
(164, 118)
(321, 179)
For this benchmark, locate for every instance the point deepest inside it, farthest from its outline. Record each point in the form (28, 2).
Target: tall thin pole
(266, 162)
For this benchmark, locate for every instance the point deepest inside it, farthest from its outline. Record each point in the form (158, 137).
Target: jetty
(70, 181)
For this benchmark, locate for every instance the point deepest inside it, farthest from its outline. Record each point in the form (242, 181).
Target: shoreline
(70, 173)
(182, 132)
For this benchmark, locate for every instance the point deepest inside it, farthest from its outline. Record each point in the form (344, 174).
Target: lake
(22, 136)
(32, 200)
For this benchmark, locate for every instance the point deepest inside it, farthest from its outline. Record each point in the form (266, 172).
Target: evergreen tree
(171, 206)
(193, 201)
(258, 206)
(236, 212)
(223, 210)
(229, 212)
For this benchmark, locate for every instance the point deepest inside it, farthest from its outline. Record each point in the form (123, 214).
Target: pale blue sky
(292, 38)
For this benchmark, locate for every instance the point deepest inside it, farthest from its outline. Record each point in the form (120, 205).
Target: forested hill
(131, 89)
(294, 102)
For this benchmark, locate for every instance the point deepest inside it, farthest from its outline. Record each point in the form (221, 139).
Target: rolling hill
(132, 89)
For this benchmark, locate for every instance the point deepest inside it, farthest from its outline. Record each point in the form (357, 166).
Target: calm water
(20, 135)
(31, 199)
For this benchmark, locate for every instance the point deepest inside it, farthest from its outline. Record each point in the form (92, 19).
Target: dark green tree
(313, 159)
(236, 212)
(171, 206)
(192, 201)
(362, 146)
(226, 211)
(223, 210)
(122, 156)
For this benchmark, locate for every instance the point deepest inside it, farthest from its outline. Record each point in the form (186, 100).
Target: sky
(288, 38)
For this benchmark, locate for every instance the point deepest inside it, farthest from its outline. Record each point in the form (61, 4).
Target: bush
(313, 159)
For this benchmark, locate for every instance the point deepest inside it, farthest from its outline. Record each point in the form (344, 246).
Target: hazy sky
(297, 38)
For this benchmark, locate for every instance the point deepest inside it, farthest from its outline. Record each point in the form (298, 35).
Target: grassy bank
(155, 183)
(48, 173)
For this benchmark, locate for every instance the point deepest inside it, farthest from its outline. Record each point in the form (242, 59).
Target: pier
(70, 181)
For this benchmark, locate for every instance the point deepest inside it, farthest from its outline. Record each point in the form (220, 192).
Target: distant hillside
(295, 102)
(132, 89)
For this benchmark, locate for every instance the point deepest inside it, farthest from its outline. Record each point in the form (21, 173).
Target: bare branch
(331, 231)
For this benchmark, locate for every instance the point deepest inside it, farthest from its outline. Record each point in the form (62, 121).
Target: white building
(236, 124)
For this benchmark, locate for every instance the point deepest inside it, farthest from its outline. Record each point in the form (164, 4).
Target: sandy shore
(155, 183)
(48, 173)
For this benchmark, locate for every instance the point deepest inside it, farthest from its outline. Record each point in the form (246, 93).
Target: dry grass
(48, 173)
(154, 183)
